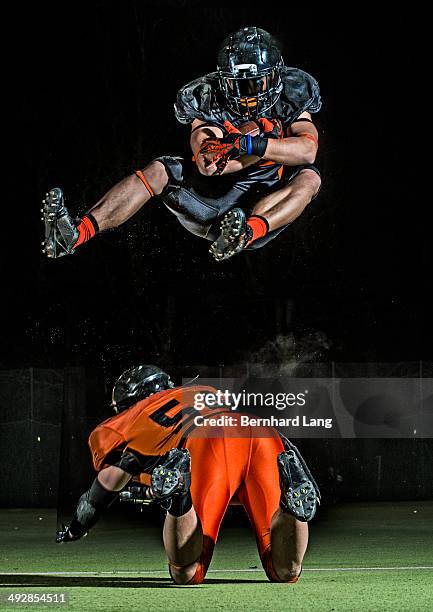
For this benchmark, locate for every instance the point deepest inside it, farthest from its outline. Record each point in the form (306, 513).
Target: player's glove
(61, 232)
(64, 535)
(270, 128)
(219, 151)
(233, 146)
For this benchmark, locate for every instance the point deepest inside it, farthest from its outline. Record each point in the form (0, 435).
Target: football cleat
(235, 235)
(60, 230)
(173, 476)
(300, 494)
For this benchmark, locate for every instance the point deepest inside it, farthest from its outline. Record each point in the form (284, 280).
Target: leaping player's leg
(63, 234)
(127, 197)
(269, 217)
(282, 206)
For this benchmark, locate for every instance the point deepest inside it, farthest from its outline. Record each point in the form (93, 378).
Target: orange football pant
(243, 470)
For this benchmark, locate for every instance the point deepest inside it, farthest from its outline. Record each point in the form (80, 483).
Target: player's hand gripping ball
(271, 128)
(220, 151)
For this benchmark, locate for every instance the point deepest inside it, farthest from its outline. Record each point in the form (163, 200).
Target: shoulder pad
(199, 99)
(300, 93)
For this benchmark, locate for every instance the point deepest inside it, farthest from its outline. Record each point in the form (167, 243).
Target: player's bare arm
(93, 503)
(298, 148)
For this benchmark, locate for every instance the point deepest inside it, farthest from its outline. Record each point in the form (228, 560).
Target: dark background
(90, 91)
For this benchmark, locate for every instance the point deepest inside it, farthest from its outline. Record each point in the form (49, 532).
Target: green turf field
(362, 557)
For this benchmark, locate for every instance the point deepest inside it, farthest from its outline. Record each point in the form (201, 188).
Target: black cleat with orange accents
(234, 237)
(61, 232)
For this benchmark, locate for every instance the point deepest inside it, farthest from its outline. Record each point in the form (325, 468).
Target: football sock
(259, 227)
(87, 227)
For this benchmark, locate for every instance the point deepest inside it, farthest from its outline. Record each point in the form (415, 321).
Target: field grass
(374, 557)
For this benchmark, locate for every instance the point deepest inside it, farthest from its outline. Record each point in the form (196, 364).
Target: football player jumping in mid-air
(253, 144)
(195, 473)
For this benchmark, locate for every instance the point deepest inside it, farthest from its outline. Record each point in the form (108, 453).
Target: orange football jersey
(151, 426)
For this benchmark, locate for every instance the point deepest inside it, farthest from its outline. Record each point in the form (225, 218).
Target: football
(249, 128)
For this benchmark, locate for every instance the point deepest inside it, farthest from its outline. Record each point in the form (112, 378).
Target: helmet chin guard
(249, 68)
(136, 384)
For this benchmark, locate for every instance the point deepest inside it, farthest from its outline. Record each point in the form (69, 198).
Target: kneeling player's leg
(289, 540)
(183, 542)
(170, 485)
(211, 492)
(281, 538)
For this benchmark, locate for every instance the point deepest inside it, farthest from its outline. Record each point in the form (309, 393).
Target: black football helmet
(136, 384)
(249, 67)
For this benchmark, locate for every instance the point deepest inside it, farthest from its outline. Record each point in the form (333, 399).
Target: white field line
(223, 571)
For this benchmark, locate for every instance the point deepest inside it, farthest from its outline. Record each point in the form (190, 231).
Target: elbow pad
(91, 506)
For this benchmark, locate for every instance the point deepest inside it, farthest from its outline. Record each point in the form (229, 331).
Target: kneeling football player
(254, 146)
(195, 476)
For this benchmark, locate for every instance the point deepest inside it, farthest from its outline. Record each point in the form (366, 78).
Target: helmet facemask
(250, 94)
(249, 68)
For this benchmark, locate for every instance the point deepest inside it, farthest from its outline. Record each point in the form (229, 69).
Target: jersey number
(160, 416)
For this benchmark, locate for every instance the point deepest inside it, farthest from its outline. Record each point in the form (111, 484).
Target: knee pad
(174, 168)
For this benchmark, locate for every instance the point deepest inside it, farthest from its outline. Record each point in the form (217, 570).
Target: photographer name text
(244, 420)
